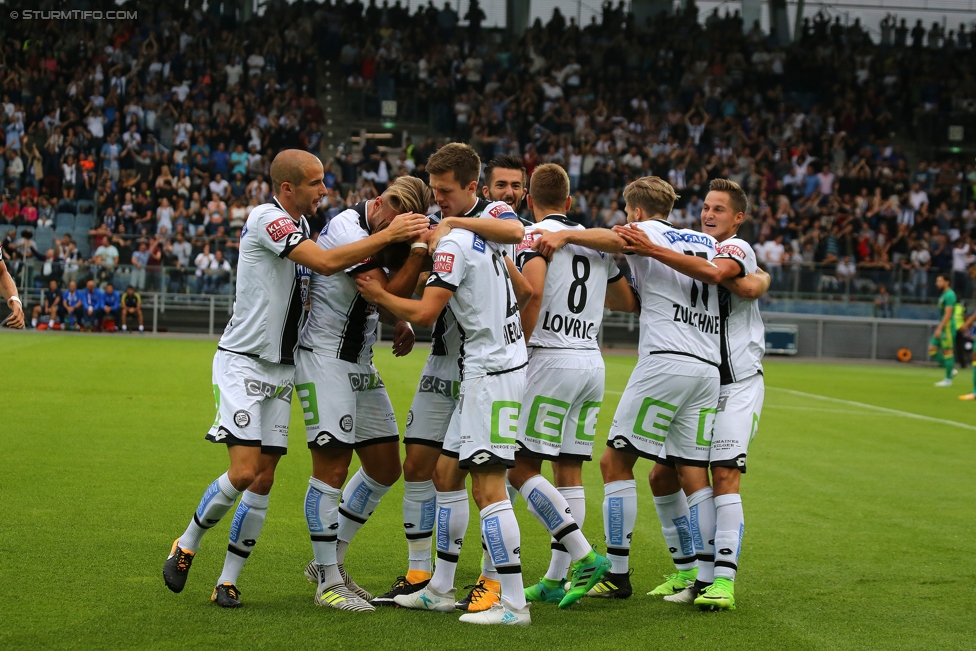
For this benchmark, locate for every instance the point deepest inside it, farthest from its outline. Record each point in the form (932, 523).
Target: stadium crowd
(134, 152)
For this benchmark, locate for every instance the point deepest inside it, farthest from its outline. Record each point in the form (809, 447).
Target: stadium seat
(86, 207)
(84, 221)
(44, 237)
(65, 221)
(61, 232)
(84, 244)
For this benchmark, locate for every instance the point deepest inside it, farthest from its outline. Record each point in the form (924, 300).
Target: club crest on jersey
(443, 263)
(733, 250)
(280, 228)
(478, 244)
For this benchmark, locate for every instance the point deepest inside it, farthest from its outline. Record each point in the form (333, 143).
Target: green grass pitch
(860, 529)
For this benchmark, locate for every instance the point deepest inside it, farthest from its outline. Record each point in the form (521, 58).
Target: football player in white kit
(742, 342)
(253, 369)
(454, 170)
(564, 384)
(471, 279)
(343, 398)
(668, 407)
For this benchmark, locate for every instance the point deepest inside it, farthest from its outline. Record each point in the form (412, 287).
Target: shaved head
(293, 166)
(297, 179)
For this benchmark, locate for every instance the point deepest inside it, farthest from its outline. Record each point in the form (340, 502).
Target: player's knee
(263, 482)
(416, 470)
(387, 475)
(613, 467)
(241, 478)
(726, 480)
(664, 480)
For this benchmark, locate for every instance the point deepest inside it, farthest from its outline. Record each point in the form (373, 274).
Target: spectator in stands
(140, 260)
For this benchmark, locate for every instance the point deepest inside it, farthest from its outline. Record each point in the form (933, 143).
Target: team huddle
(514, 378)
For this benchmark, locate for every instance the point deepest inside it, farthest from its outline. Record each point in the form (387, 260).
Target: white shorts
(667, 411)
(563, 394)
(737, 421)
(345, 404)
(434, 403)
(253, 399)
(484, 425)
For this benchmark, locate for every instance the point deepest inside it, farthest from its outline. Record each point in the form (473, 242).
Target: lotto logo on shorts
(443, 263)
(281, 228)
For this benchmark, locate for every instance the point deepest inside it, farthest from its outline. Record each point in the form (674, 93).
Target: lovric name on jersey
(705, 322)
(568, 325)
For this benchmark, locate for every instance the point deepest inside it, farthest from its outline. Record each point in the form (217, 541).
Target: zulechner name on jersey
(440, 386)
(569, 326)
(705, 322)
(692, 238)
(513, 332)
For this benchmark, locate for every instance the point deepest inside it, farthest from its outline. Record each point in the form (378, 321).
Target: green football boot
(675, 583)
(586, 573)
(549, 591)
(718, 596)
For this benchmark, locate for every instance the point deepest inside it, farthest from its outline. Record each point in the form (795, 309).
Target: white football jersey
(271, 289)
(679, 315)
(576, 287)
(743, 335)
(483, 305)
(341, 323)
(445, 338)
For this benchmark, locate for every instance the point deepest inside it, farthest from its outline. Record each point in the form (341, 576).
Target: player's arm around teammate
(8, 288)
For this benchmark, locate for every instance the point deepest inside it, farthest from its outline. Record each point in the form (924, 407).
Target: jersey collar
(562, 219)
(275, 201)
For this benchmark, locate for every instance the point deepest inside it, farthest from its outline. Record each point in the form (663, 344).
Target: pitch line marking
(864, 405)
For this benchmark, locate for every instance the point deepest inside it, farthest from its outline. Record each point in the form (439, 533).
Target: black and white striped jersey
(743, 335)
(445, 338)
(271, 289)
(341, 323)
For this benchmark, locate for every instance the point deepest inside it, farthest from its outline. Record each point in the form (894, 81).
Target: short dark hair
(505, 162)
(458, 158)
(737, 197)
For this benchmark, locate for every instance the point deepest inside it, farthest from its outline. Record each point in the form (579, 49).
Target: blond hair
(652, 194)
(737, 196)
(409, 194)
(458, 158)
(549, 187)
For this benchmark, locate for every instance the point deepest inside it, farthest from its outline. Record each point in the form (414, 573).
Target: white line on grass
(895, 412)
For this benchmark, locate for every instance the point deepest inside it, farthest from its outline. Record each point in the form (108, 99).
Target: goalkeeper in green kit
(942, 347)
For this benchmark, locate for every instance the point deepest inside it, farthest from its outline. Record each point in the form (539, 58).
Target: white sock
(452, 522)
(619, 517)
(33, 323)
(549, 507)
(359, 500)
(702, 508)
(501, 532)
(216, 502)
(729, 527)
(124, 327)
(244, 532)
(419, 504)
(140, 328)
(675, 518)
(561, 560)
(487, 565)
(322, 517)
